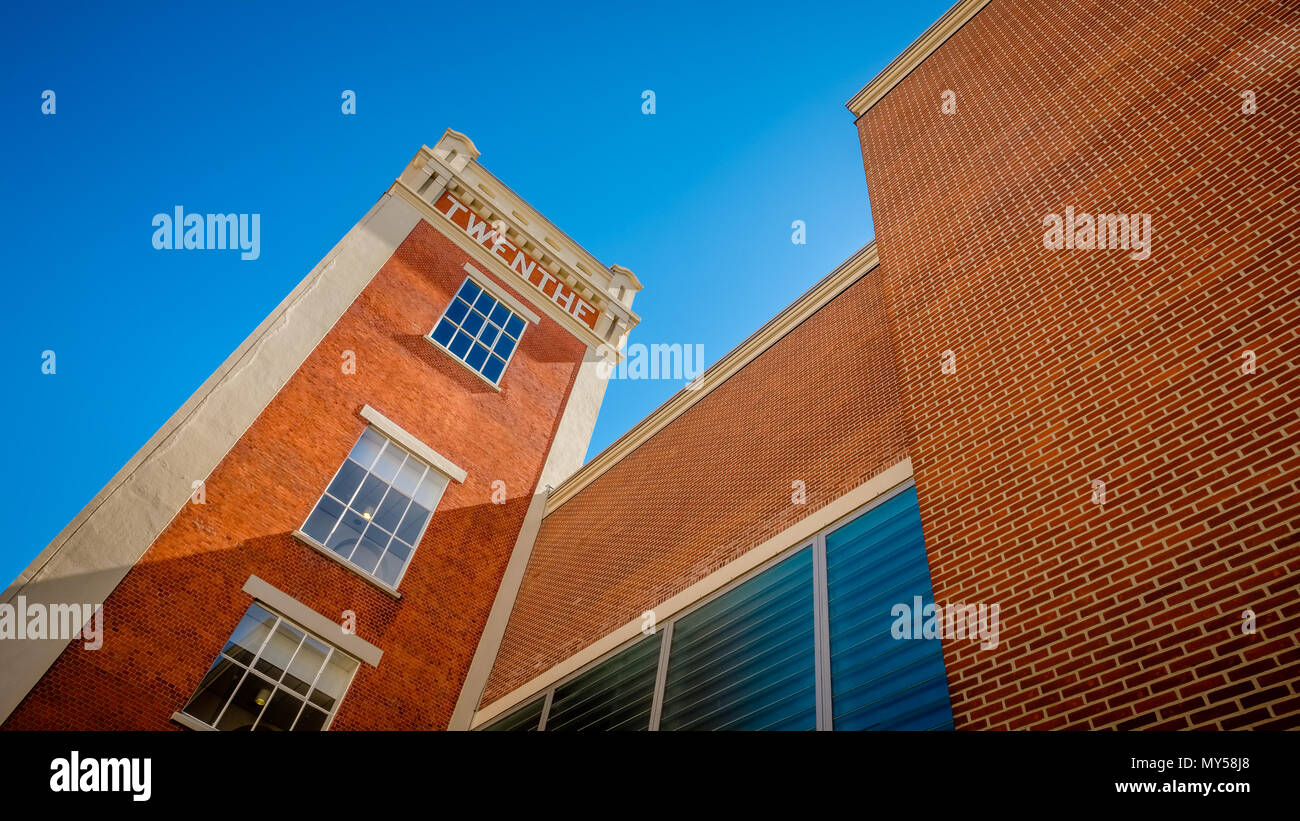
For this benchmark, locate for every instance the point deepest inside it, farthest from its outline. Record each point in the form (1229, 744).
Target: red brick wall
(821, 405)
(1075, 365)
(170, 616)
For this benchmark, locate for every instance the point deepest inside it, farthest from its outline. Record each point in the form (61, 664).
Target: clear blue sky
(235, 107)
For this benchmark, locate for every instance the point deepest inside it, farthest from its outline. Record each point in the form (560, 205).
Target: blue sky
(220, 110)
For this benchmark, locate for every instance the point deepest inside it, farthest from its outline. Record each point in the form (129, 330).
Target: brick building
(1043, 472)
(367, 457)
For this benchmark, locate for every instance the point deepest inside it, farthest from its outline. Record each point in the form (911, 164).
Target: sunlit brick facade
(174, 609)
(1082, 365)
(1098, 441)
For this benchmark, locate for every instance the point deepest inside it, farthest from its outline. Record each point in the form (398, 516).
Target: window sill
(320, 548)
(462, 363)
(192, 723)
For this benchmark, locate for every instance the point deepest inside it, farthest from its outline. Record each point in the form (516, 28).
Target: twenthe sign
(482, 232)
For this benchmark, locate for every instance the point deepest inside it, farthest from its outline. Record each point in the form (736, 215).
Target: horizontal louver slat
(746, 659)
(525, 718)
(614, 695)
(880, 682)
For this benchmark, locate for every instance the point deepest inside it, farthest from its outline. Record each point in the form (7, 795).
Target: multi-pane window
(749, 657)
(480, 331)
(879, 682)
(272, 675)
(745, 660)
(377, 507)
(616, 694)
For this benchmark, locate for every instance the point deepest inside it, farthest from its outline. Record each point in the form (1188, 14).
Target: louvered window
(805, 642)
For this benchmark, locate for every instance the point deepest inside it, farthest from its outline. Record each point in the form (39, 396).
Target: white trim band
(813, 523)
(925, 45)
(299, 613)
(407, 440)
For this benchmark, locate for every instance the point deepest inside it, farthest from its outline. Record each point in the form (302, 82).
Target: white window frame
(503, 299)
(433, 461)
(194, 723)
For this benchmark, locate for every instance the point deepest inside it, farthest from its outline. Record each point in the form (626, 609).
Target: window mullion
(822, 635)
(247, 670)
(661, 677)
(306, 699)
(546, 710)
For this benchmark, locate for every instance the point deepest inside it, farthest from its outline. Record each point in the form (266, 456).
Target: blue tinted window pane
(346, 534)
(322, 519)
(492, 369)
(489, 334)
(391, 510)
(485, 303)
(456, 310)
(499, 314)
(514, 326)
(367, 448)
(476, 357)
(347, 481)
(444, 332)
(409, 530)
(614, 695)
(879, 682)
(461, 344)
(745, 661)
(504, 346)
(472, 323)
(399, 549)
(368, 498)
(390, 567)
(469, 291)
(370, 549)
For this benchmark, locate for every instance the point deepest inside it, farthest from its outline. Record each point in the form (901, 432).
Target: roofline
(925, 45)
(830, 286)
(560, 233)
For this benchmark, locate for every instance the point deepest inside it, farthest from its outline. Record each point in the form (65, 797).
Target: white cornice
(452, 165)
(913, 55)
(834, 283)
(494, 264)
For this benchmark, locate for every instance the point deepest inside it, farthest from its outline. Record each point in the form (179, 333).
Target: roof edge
(912, 56)
(812, 300)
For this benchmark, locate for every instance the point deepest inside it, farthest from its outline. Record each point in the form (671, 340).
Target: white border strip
(407, 440)
(809, 526)
(305, 617)
(915, 54)
(192, 723)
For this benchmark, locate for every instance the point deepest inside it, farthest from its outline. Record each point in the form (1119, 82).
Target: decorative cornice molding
(902, 65)
(451, 166)
(493, 264)
(831, 286)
